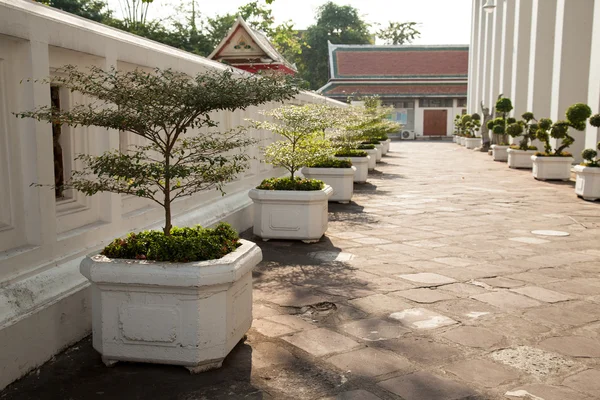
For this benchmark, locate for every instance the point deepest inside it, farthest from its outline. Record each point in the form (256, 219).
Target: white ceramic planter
(372, 153)
(362, 167)
(341, 181)
(379, 148)
(463, 140)
(290, 214)
(455, 138)
(520, 158)
(552, 168)
(472, 143)
(587, 185)
(500, 152)
(189, 314)
(386, 146)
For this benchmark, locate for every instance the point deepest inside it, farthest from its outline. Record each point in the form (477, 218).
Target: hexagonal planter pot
(379, 155)
(471, 143)
(372, 153)
(291, 214)
(499, 153)
(189, 314)
(552, 168)
(587, 185)
(520, 158)
(341, 181)
(362, 167)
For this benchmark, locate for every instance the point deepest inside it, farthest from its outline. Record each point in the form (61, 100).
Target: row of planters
(554, 162)
(332, 148)
(183, 296)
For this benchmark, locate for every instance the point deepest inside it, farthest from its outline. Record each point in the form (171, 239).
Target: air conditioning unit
(407, 135)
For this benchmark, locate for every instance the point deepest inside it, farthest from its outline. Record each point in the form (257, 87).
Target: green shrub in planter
(351, 153)
(577, 115)
(332, 163)
(288, 183)
(182, 245)
(371, 141)
(525, 128)
(499, 125)
(366, 147)
(590, 156)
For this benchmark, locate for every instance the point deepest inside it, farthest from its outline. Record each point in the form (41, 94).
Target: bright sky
(442, 21)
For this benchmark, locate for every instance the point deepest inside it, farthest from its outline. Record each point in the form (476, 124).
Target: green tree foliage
(337, 24)
(303, 139)
(576, 115)
(162, 108)
(398, 33)
(96, 10)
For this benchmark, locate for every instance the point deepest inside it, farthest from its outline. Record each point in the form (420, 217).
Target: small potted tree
(498, 127)
(179, 296)
(339, 174)
(346, 139)
(556, 164)
(292, 207)
(519, 156)
(587, 185)
(472, 125)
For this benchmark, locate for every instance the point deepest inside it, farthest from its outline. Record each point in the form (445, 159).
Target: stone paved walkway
(429, 286)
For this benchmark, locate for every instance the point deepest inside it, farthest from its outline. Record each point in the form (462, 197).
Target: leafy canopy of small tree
(162, 107)
(366, 123)
(525, 128)
(397, 33)
(303, 140)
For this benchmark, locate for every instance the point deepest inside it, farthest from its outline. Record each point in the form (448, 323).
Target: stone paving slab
(435, 222)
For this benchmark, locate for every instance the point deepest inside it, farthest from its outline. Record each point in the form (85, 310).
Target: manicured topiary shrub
(590, 157)
(499, 125)
(182, 245)
(577, 115)
(288, 183)
(372, 141)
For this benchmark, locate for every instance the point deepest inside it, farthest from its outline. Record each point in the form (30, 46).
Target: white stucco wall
(44, 301)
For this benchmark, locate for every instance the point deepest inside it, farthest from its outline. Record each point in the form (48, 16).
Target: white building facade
(542, 54)
(44, 300)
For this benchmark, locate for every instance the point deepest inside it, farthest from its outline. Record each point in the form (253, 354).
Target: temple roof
(244, 45)
(398, 62)
(395, 89)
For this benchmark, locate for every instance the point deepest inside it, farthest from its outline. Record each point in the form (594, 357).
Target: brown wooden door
(435, 122)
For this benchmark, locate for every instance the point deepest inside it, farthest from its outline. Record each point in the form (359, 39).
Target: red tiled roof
(399, 61)
(397, 90)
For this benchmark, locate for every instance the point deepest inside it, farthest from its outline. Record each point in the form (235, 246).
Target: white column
(592, 135)
(479, 61)
(486, 59)
(497, 18)
(474, 57)
(539, 90)
(571, 65)
(520, 61)
(506, 46)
